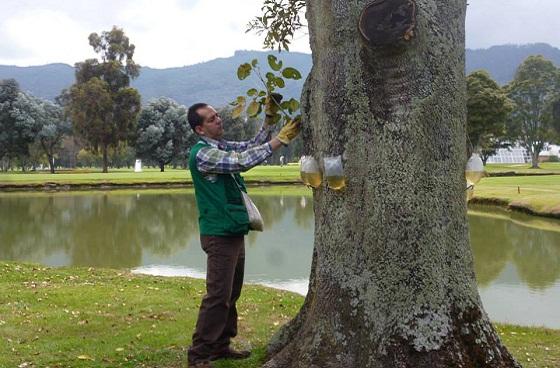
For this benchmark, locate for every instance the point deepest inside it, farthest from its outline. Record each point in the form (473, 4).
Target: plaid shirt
(225, 157)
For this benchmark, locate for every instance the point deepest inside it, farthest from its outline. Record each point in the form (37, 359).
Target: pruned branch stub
(388, 22)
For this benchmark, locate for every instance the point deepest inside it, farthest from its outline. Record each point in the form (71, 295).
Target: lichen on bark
(392, 281)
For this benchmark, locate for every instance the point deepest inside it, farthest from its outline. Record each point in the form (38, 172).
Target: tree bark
(535, 157)
(535, 161)
(392, 282)
(105, 159)
(51, 163)
(161, 167)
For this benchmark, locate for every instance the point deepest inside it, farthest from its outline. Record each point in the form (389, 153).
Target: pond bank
(89, 317)
(58, 187)
(514, 207)
(492, 196)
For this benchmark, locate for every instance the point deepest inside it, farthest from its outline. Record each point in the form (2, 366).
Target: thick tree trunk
(105, 159)
(161, 167)
(392, 281)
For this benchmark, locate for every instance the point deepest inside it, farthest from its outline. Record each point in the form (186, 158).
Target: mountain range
(216, 82)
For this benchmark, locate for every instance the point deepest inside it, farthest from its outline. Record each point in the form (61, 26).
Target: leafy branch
(255, 100)
(280, 20)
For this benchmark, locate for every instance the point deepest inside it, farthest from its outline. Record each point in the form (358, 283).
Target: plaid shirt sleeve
(217, 161)
(262, 136)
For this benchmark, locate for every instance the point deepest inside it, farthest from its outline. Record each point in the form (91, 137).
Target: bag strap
(238, 185)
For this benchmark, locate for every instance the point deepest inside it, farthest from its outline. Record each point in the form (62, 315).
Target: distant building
(552, 150)
(514, 155)
(519, 155)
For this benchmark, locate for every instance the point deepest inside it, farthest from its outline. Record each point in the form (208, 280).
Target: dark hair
(192, 115)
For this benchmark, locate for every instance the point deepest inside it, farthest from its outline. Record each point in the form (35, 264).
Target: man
(215, 165)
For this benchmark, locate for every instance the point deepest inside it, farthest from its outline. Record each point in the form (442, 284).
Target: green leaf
(252, 92)
(291, 73)
(276, 118)
(237, 111)
(262, 93)
(241, 100)
(254, 62)
(253, 109)
(274, 63)
(280, 82)
(294, 105)
(270, 76)
(244, 71)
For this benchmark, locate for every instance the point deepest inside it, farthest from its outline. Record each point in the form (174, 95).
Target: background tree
(242, 128)
(68, 153)
(102, 105)
(9, 92)
(20, 121)
(163, 132)
(238, 128)
(535, 91)
(54, 126)
(392, 281)
(488, 108)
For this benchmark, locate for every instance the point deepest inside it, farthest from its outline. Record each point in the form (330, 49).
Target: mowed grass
(78, 317)
(288, 173)
(540, 194)
(535, 193)
(524, 169)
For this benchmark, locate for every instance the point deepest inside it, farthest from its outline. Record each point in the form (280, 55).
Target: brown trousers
(217, 317)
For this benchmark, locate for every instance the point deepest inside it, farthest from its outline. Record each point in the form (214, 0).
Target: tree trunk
(392, 281)
(161, 167)
(535, 158)
(51, 163)
(105, 159)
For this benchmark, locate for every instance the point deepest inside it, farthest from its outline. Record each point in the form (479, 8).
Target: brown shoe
(205, 364)
(231, 354)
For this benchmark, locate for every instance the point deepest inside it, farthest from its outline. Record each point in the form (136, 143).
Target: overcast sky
(170, 33)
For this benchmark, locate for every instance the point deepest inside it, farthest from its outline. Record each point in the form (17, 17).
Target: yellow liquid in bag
(336, 182)
(312, 179)
(474, 176)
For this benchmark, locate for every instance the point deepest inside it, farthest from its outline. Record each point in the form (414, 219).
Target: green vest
(220, 206)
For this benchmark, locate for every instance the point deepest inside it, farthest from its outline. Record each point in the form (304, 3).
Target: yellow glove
(289, 131)
(271, 107)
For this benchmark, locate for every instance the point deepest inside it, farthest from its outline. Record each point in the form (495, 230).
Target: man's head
(205, 121)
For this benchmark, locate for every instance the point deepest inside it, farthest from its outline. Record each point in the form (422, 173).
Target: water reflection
(100, 229)
(534, 252)
(517, 267)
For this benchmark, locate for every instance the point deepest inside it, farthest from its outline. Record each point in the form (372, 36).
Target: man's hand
(271, 107)
(289, 131)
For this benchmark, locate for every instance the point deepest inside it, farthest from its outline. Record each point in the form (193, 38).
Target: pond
(517, 258)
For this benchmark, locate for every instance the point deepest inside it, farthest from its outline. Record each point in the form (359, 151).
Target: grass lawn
(87, 177)
(127, 176)
(540, 194)
(545, 168)
(77, 317)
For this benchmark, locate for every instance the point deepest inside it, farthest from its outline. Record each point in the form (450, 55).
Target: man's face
(211, 126)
